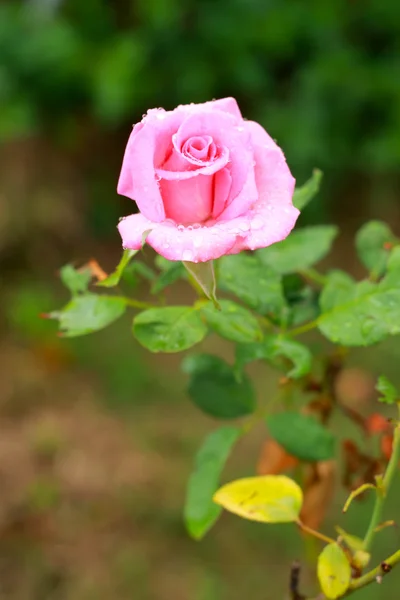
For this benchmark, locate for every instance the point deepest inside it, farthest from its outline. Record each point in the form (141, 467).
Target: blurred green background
(97, 437)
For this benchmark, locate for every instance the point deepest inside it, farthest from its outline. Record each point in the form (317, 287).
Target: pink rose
(207, 183)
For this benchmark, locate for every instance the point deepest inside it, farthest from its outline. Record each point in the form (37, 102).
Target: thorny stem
(382, 492)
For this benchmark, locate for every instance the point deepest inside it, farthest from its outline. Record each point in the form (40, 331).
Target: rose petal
(274, 181)
(188, 200)
(147, 146)
(222, 186)
(267, 224)
(226, 133)
(174, 242)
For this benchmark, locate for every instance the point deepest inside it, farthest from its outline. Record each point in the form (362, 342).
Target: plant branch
(303, 328)
(314, 276)
(314, 533)
(137, 303)
(383, 490)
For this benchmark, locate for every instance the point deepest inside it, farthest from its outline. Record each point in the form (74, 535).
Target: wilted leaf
(200, 510)
(334, 571)
(274, 459)
(266, 499)
(318, 490)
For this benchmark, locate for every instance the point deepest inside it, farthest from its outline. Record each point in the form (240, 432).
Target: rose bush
(207, 183)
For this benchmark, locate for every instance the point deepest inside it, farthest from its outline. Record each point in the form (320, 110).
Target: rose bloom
(207, 183)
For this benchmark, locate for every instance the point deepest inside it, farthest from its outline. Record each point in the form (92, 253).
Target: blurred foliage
(319, 75)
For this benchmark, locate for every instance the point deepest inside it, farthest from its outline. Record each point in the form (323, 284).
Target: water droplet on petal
(187, 255)
(189, 227)
(257, 223)
(181, 228)
(166, 245)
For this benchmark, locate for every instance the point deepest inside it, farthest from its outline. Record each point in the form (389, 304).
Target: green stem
(303, 328)
(137, 303)
(313, 275)
(382, 492)
(371, 576)
(315, 533)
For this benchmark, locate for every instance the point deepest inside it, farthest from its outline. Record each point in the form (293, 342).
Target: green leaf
(334, 571)
(370, 241)
(232, 322)
(360, 314)
(214, 388)
(114, 278)
(200, 511)
(300, 250)
(257, 285)
(272, 347)
(266, 499)
(88, 313)
(76, 281)
(204, 275)
(135, 271)
(303, 195)
(171, 271)
(302, 436)
(389, 393)
(169, 329)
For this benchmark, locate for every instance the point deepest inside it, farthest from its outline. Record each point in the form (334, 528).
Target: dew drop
(196, 226)
(181, 228)
(189, 227)
(187, 255)
(257, 223)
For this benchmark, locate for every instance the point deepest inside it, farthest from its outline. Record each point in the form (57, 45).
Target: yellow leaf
(353, 542)
(266, 499)
(334, 571)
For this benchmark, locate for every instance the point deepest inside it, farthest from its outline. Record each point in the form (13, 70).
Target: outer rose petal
(274, 181)
(267, 225)
(148, 142)
(179, 243)
(228, 105)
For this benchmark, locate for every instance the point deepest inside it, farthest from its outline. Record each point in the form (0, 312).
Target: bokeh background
(97, 437)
